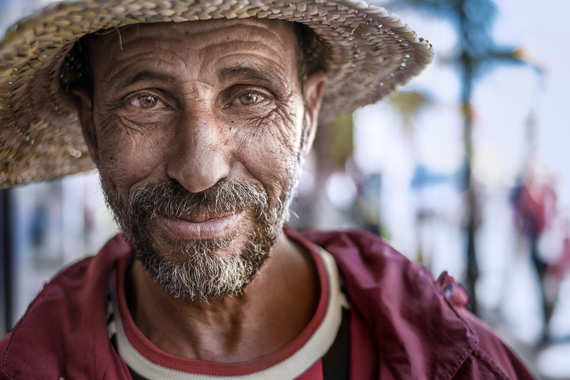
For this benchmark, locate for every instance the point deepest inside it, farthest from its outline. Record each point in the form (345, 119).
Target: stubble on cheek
(124, 149)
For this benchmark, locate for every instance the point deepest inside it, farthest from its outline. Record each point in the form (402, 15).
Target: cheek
(126, 156)
(271, 151)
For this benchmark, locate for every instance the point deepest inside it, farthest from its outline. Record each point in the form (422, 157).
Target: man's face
(199, 129)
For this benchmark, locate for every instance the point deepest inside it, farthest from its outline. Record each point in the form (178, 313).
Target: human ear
(84, 104)
(314, 84)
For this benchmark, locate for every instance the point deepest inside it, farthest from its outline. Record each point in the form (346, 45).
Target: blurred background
(466, 170)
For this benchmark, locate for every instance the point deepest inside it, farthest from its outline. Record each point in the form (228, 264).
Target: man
(198, 130)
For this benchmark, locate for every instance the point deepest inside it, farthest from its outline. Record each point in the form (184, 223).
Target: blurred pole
(5, 262)
(477, 52)
(467, 65)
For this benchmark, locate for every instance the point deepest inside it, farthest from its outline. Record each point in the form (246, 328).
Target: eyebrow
(145, 75)
(264, 75)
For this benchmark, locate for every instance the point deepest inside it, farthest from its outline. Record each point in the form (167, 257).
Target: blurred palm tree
(475, 55)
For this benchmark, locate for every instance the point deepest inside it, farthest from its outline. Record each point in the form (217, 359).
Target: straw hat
(369, 53)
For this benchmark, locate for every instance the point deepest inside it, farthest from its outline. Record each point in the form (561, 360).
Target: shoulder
(64, 326)
(39, 328)
(413, 316)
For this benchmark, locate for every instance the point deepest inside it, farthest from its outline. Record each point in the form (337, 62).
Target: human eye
(247, 101)
(250, 98)
(144, 101)
(147, 107)
(147, 102)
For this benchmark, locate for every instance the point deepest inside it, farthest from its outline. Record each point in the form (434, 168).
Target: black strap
(135, 375)
(336, 360)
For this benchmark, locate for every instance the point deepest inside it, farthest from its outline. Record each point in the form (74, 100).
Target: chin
(205, 269)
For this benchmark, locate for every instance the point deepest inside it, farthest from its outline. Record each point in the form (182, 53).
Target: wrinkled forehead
(209, 40)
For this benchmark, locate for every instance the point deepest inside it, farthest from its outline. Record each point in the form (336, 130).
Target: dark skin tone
(199, 102)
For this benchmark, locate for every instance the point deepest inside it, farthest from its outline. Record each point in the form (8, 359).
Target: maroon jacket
(404, 325)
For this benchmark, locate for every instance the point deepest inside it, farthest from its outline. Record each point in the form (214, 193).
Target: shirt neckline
(313, 341)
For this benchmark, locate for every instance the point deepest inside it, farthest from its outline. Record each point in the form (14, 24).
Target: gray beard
(201, 273)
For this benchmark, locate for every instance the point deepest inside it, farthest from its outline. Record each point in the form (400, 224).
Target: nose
(199, 156)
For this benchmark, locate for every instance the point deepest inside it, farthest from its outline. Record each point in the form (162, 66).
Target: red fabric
(418, 333)
(156, 355)
(64, 331)
(407, 329)
(313, 373)
(362, 349)
(536, 207)
(453, 291)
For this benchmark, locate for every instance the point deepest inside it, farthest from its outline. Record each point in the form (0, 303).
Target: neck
(273, 309)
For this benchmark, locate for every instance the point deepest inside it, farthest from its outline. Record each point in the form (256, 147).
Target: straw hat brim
(369, 53)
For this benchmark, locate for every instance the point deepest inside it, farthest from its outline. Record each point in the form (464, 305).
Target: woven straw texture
(369, 53)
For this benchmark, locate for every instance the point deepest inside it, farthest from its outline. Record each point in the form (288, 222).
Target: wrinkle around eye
(132, 116)
(248, 103)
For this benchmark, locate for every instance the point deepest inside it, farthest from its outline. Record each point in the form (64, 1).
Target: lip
(200, 227)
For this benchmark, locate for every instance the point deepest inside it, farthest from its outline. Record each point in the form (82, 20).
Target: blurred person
(198, 130)
(534, 204)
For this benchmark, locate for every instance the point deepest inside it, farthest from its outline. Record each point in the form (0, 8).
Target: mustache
(172, 200)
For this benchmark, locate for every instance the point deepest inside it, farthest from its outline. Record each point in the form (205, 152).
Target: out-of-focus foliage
(408, 104)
